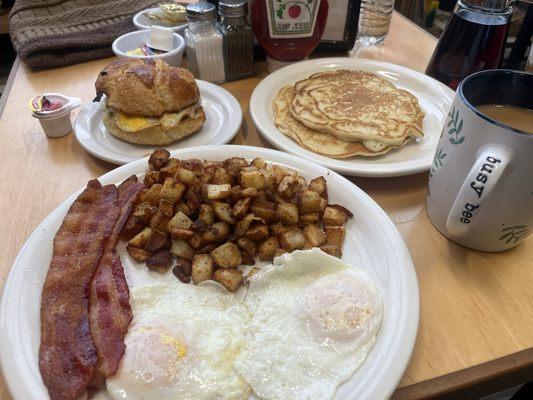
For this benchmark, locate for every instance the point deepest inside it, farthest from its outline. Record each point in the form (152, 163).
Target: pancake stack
(344, 113)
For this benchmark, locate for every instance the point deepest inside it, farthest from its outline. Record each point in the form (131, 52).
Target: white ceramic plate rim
(382, 375)
(176, 28)
(261, 115)
(227, 129)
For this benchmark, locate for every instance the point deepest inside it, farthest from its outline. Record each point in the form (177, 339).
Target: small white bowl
(132, 40)
(142, 22)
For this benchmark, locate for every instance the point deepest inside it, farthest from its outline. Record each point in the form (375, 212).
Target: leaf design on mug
(455, 126)
(514, 233)
(437, 161)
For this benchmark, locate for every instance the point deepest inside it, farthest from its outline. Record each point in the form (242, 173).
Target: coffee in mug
(480, 191)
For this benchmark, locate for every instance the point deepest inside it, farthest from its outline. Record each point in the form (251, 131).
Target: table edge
(9, 84)
(474, 382)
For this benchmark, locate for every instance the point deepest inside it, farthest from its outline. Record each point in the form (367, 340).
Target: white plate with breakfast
(358, 117)
(213, 271)
(141, 106)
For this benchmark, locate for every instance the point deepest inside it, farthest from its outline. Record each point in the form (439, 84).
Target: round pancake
(317, 142)
(357, 105)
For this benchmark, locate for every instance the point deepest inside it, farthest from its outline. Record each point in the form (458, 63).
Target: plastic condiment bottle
(288, 30)
(238, 39)
(473, 40)
(204, 43)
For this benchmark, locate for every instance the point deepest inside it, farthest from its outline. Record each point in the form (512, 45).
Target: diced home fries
(213, 216)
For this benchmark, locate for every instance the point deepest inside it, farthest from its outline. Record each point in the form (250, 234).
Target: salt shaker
(238, 39)
(204, 43)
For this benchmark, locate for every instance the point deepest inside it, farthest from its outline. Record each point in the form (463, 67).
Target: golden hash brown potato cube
(288, 213)
(180, 233)
(196, 241)
(247, 246)
(184, 208)
(243, 225)
(139, 255)
(180, 220)
(223, 212)
(334, 216)
(268, 214)
(253, 179)
(144, 212)
(332, 249)
(152, 195)
(306, 219)
(140, 239)
(314, 236)
(319, 186)
(231, 279)
(180, 248)
(279, 172)
(241, 207)
(293, 239)
(278, 228)
(158, 159)
(227, 255)
(166, 207)
(218, 192)
(172, 190)
(159, 222)
(257, 232)
(335, 234)
(249, 192)
(152, 177)
(259, 163)
(310, 202)
(185, 176)
(247, 259)
(132, 227)
(288, 187)
(202, 268)
(268, 248)
(271, 183)
(156, 240)
(195, 165)
(221, 177)
(207, 176)
(160, 261)
(217, 232)
(234, 165)
(170, 169)
(206, 214)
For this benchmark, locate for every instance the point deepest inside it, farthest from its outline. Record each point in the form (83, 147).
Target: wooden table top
(475, 307)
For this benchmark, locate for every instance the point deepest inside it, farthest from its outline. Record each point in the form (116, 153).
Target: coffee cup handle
(491, 162)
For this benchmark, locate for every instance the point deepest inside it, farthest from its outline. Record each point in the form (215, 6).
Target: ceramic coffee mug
(480, 191)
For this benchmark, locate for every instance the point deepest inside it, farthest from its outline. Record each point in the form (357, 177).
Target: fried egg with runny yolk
(182, 344)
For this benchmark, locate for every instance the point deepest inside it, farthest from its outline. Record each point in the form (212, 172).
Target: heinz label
(292, 18)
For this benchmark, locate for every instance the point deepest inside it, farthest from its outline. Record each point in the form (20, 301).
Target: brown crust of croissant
(148, 88)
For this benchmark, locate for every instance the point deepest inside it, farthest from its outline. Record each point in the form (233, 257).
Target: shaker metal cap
(201, 12)
(233, 8)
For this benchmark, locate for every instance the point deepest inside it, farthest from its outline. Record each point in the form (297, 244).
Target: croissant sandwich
(149, 102)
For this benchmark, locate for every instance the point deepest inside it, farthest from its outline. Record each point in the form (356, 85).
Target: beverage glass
(480, 191)
(374, 21)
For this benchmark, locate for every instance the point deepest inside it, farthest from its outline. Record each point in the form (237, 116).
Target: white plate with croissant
(142, 105)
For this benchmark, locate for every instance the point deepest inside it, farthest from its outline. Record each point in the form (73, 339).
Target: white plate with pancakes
(414, 156)
(223, 120)
(372, 243)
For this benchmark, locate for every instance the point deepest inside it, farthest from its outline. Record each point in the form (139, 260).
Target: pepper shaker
(204, 43)
(238, 39)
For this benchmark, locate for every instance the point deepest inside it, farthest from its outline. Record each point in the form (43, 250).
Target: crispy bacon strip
(67, 355)
(110, 311)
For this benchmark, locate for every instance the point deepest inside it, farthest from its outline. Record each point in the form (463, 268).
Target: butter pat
(161, 38)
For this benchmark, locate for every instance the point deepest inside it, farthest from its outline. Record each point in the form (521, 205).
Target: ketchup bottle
(288, 30)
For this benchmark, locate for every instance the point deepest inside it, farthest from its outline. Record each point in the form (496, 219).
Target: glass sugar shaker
(204, 43)
(238, 39)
